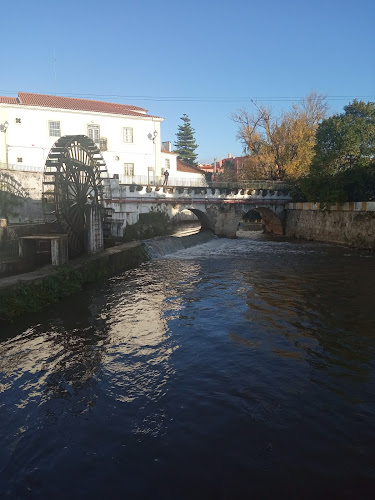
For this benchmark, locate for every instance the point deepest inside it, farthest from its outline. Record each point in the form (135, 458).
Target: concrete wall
(350, 224)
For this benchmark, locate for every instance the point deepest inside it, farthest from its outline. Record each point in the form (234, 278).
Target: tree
(343, 168)
(185, 144)
(229, 172)
(347, 140)
(281, 147)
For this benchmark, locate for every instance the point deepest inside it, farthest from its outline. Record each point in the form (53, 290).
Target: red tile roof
(8, 100)
(58, 102)
(168, 152)
(184, 167)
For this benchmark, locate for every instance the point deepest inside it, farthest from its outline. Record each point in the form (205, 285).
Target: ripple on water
(217, 372)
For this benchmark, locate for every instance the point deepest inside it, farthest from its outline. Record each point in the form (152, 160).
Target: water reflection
(217, 372)
(57, 359)
(317, 307)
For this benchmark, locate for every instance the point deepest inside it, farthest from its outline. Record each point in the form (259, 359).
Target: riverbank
(31, 292)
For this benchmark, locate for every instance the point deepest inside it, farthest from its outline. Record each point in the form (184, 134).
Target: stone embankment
(351, 224)
(31, 292)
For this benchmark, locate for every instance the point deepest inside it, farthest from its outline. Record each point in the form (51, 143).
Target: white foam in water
(161, 247)
(205, 245)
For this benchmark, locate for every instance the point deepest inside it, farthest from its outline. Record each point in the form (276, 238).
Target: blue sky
(203, 58)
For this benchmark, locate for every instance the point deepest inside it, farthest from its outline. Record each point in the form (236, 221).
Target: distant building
(206, 167)
(238, 163)
(186, 172)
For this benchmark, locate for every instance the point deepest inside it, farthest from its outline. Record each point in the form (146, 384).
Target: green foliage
(354, 184)
(35, 295)
(185, 144)
(343, 168)
(152, 224)
(32, 297)
(346, 140)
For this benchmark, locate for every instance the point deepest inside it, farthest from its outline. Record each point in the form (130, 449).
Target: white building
(129, 138)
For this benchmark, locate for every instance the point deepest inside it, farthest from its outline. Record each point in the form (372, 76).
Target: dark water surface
(233, 369)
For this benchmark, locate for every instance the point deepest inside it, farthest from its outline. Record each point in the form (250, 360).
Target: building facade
(127, 136)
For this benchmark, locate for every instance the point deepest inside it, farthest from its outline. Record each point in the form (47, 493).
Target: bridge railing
(143, 180)
(251, 184)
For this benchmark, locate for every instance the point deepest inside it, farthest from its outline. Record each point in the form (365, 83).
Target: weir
(159, 247)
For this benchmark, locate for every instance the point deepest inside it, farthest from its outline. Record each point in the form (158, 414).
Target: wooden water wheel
(73, 177)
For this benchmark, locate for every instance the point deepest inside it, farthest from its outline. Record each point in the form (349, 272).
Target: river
(234, 369)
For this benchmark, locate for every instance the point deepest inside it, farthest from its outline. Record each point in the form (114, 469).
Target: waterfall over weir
(165, 245)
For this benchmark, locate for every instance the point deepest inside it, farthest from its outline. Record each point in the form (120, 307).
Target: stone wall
(27, 185)
(342, 224)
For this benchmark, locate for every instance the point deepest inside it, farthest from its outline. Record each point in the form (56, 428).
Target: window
(19, 160)
(103, 144)
(18, 120)
(54, 129)
(127, 134)
(167, 163)
(129, 169)
(93, 131)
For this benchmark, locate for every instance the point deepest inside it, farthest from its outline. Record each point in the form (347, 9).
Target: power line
(218, 99)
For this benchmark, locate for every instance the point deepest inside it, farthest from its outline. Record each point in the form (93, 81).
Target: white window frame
(127, 135)
(167, 163)
(93, 131)
(129, 169)
(54, 128)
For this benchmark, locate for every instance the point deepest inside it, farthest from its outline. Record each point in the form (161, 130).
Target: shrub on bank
(152, 224)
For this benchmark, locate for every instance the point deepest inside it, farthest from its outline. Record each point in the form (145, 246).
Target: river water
(229, 370)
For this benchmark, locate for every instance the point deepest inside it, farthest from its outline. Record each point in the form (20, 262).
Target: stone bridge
(219, 209)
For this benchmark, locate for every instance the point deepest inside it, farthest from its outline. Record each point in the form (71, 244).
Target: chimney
(229, 155)
(167, 146)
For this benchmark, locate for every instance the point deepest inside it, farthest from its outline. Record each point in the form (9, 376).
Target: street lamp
(3, 128)
(152, 138)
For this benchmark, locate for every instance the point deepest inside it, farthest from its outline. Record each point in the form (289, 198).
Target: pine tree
(185, 144)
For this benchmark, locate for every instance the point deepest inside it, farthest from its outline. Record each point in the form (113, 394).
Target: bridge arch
(227, 216)
(272, 222)
(204, 219)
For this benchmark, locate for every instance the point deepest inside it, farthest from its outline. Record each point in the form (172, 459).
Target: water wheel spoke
(73, 173)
